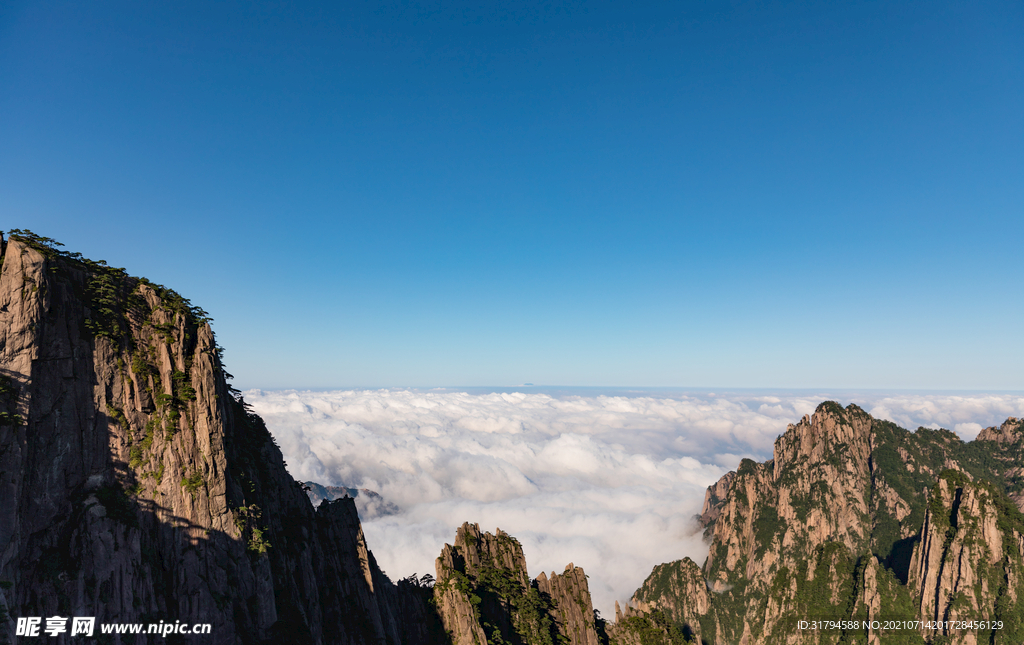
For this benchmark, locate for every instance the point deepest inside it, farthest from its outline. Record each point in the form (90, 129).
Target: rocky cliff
(677, 590)
(484, 595)
(714, 500)
(1005, 444)
(570, 606)
(857, 519)
(969, 561)
(136, 486)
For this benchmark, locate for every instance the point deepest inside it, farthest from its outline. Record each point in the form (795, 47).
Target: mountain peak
(1009, 432)
(484, 595)
(854, 518)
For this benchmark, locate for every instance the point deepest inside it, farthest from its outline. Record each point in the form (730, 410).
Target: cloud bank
(609, 482)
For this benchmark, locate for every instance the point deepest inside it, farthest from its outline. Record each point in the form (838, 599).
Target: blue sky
(680, 194)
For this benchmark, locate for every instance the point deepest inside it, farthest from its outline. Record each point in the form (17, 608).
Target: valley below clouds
(609, 480)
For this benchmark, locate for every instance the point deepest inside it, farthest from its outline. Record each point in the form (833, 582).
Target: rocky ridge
(484, 595)
(856, 518)
(677, 590)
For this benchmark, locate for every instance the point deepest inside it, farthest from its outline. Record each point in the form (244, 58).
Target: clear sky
(743, 194)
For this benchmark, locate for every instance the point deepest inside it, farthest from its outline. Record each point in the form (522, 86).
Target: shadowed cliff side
(137, 486)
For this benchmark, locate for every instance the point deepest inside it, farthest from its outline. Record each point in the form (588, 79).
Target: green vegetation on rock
(193, 482)
(651, 628)
(827, 530)
(9, 402)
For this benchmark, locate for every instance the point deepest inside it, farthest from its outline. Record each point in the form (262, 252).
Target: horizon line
(708, 389)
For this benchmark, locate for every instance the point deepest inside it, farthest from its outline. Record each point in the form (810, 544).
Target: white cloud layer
(608, 482)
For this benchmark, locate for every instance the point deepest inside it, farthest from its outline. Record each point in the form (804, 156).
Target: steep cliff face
(136, 487)
(570, 605)
(484, 595)
(851, 521)
(678, 590)
(969, 562)
(714, 500)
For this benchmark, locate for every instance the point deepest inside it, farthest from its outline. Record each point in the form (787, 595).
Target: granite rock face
(571, 607)
(714, 500)
(484, 595)
(678, 590)
(970, 558)
(136, 486)
(857, 519)
(1007, 447)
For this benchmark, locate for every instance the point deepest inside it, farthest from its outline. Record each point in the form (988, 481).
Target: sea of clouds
(609, 481)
